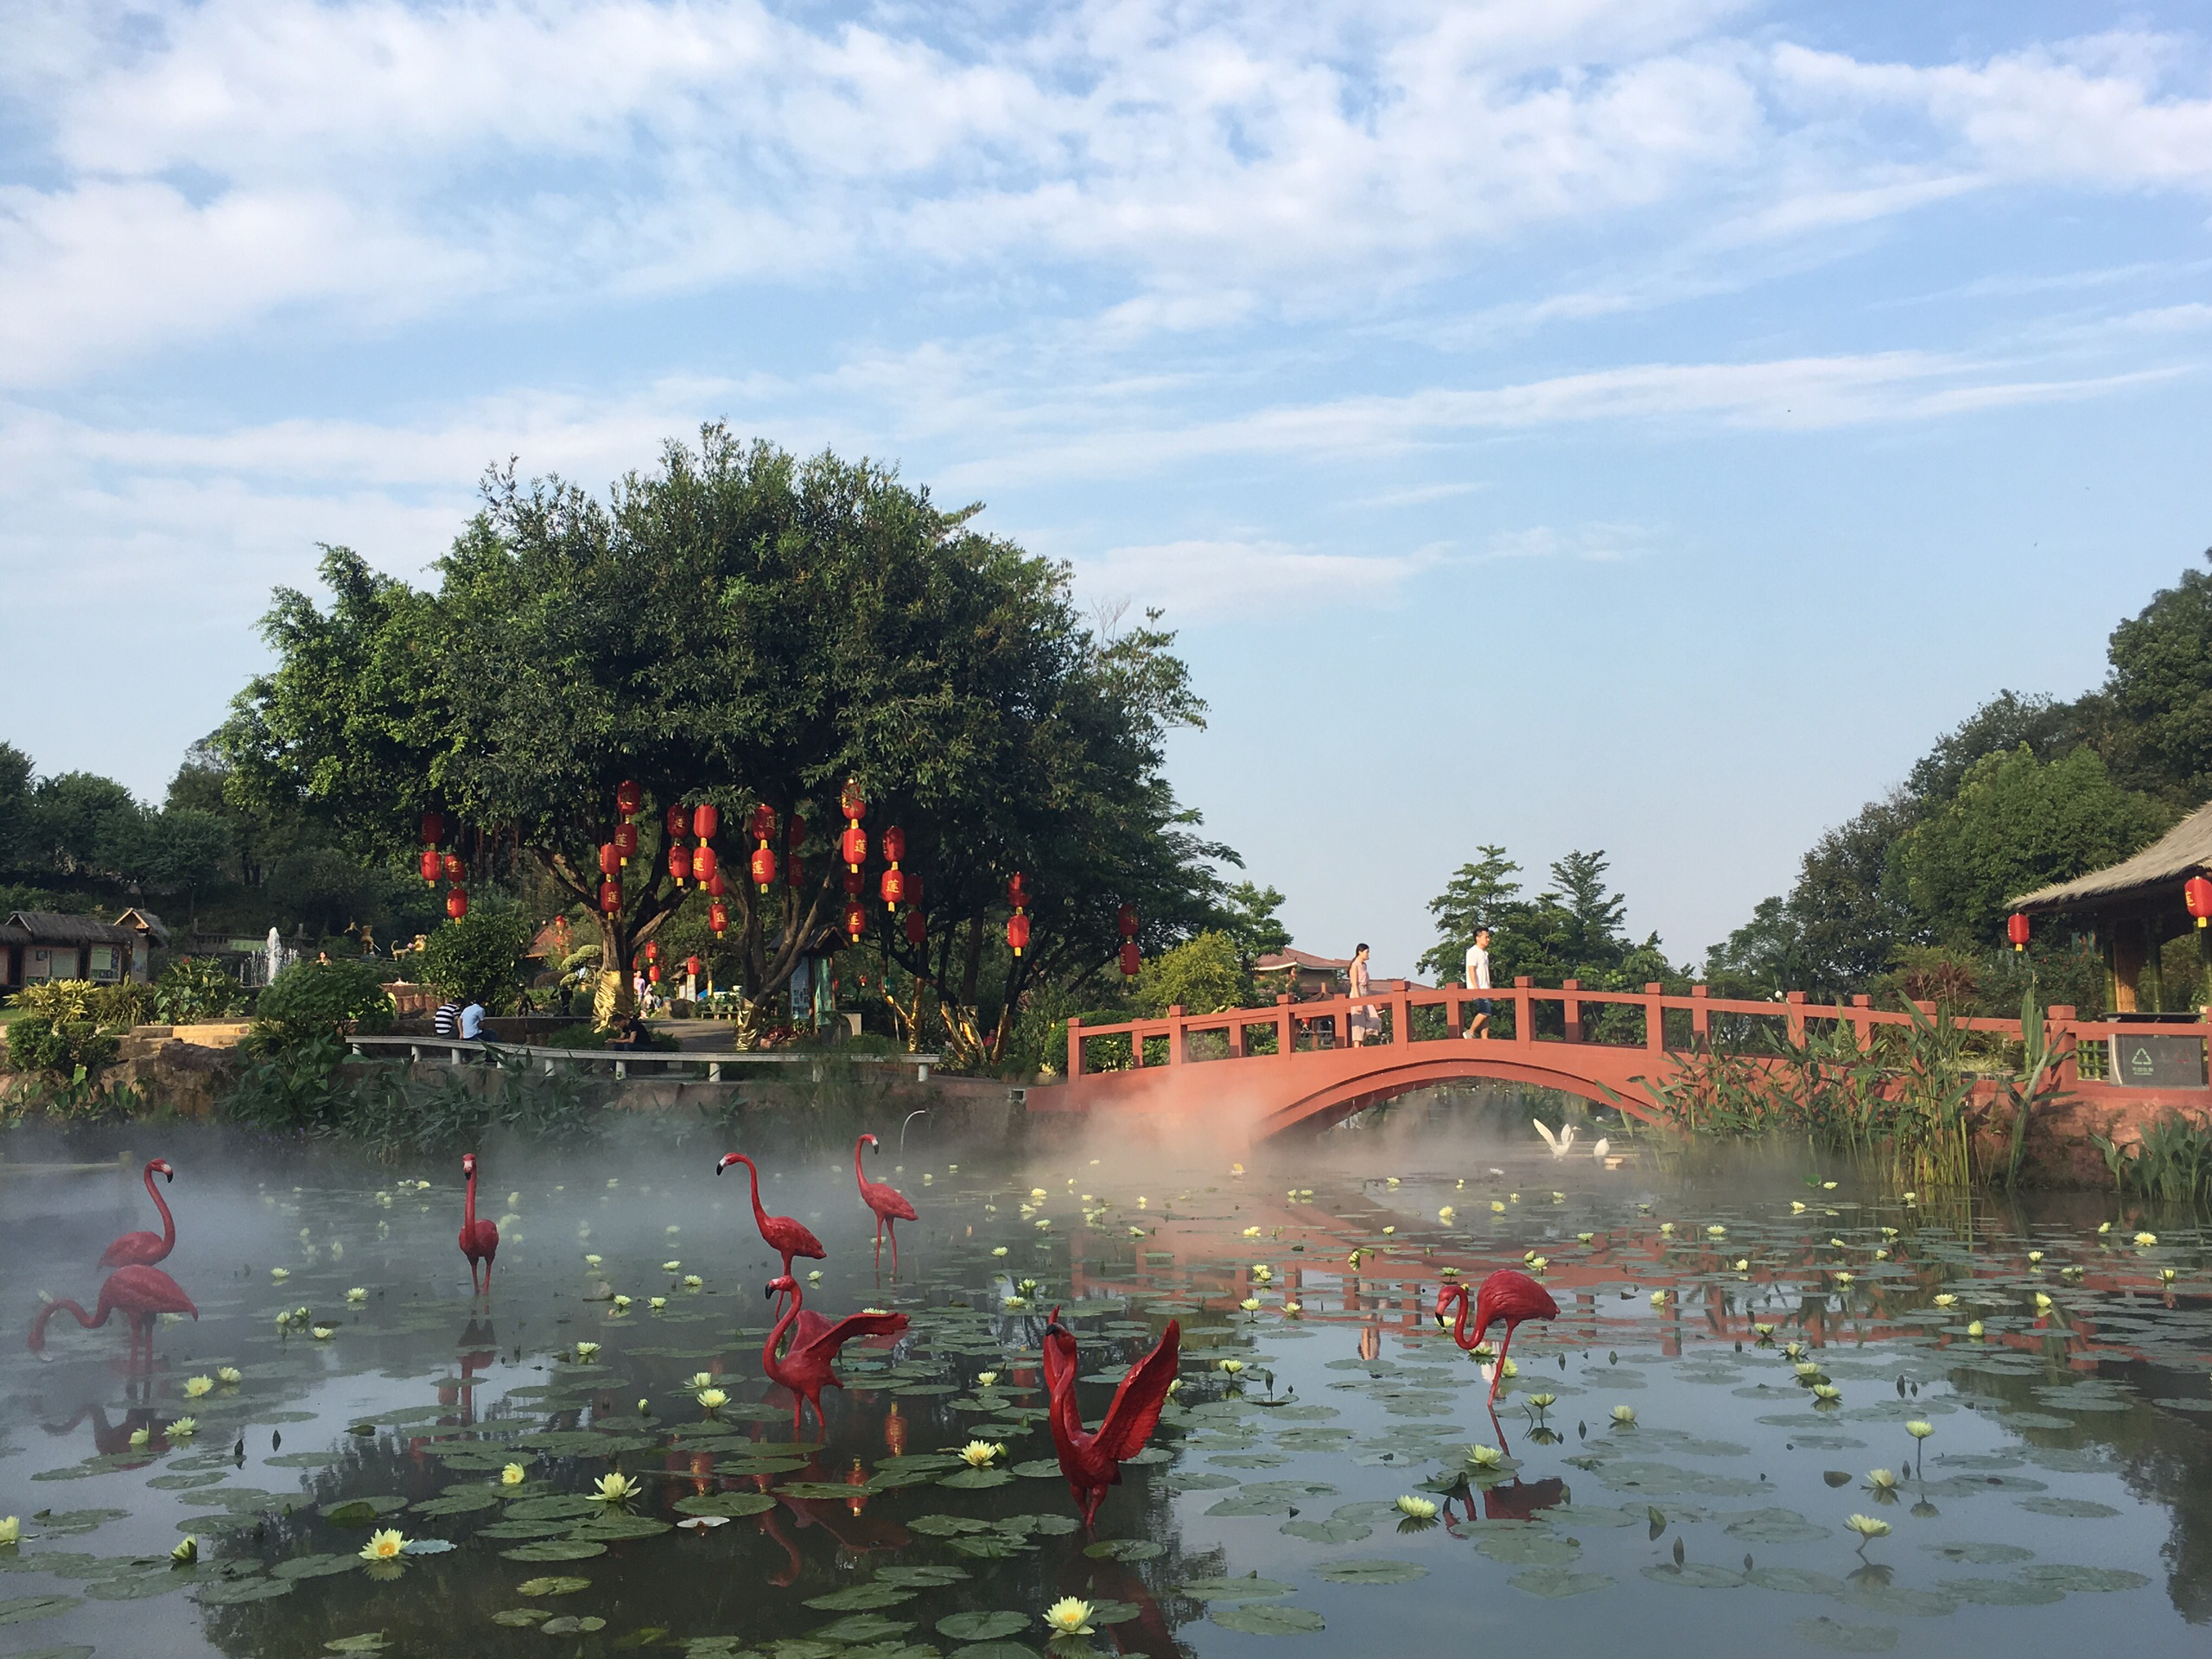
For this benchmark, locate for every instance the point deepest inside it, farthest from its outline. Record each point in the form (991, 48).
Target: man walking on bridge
(1478, 980)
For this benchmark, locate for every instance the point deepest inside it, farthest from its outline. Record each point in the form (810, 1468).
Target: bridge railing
(1525, 1016)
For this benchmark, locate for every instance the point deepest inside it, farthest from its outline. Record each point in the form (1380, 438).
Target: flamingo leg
(1498, 1376)
(892, 1226)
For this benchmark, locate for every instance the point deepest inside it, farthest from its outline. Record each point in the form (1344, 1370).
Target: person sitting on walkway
(1478, 980)
(471, 1021)
(446, 1022)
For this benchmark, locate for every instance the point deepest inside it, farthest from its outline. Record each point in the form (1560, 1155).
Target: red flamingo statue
(1092, 1459)
(804, 1367)
(137, 1294)
(144, 1249)
(891, 1205)
(784, 1234)
(1506, 1295)
(479, 1240)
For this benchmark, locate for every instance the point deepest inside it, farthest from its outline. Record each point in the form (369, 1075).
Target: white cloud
(1209, 580)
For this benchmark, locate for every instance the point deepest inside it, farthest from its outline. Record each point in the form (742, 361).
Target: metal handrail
(459, 1049)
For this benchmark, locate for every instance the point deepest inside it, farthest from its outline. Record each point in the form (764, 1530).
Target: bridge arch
(1332, 1103)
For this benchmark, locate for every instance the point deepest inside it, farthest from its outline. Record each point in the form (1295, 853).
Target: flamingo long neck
(469, 1205)
(760, 1215)
(858, 1175)
(769, 1362)
(1459, 1327)
(38, 1326)
(168, 1222)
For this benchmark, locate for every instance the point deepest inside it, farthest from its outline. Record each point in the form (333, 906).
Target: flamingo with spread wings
(805, 1367)
(1092, 1459)
(144, 1249)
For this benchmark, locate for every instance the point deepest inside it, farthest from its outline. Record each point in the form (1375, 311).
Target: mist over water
(2061, 1497)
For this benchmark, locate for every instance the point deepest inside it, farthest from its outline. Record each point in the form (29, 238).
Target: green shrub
(481, 955)
(63, 1048)
(320, 1001)
(192, 990)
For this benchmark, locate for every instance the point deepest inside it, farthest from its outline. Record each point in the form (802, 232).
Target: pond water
(2062, 1499)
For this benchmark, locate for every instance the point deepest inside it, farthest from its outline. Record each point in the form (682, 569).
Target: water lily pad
(1372, 1570)
(1557, 1583)
(978, 1479)
(556, 1549)
(1592, 1515)
(464, 1500)
(946, 1526)
(725, 1504)
(1892, 1598)
(521, 1617)
(982, 1627)
(993, 1547)
(367, 1642)
(68, 1523)
(566, 1625)
(1038, 1468)
(1124, 1549)
(561, 1506)
(1977, 1554)
(856, 1628)
(552, 1586)
(995, 1650)
(1267, 1618)
(230, 1592)
(1520, 1544)
(920, 1578)
(1776, 1527)
(2072, 1509)
(2002, 1593)
(362, 1511)
(315, 1566)
(1251, 1588)
(612, 1528)
(1695, 1575)
(862, 1598)
(2085, 1577)
(1191, 1482)
(1795, 1581)
(138, 1586)
(1846, 1638)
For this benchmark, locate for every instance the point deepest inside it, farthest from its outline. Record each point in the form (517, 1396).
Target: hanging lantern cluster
(794, 838)
(652, 961)
(677, 823)
(763, 830)
(1017, 926)
(2196, 892)
(894, 879)
(434, 831)
(1132, 958)
(614, 855)
(437, 866)
(2015, 929)
(706, 867)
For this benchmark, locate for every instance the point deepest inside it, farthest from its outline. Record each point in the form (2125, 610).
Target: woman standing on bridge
(1364, 1021)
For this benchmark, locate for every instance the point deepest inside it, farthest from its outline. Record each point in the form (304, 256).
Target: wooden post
(1075, 1047)
(1524, 1009)
(1859, 1021)
(1455, 1013)
(1796, 1000)
(1701, 1019)
(1655, 1018)
(1286, 1025)
(2060, 1029)
(1571, 1009)
(1176, 1034)
(1401, 1019)
(1236, 1038)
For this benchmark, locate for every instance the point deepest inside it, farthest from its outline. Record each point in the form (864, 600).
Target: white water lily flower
(616, 1488)
(1867, 1526)
(1068, 1616)
(1625, 1415)
(359, 1293)
(693, 1281)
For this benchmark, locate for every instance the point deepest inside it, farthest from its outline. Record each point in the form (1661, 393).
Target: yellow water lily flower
(1292, 1310)
(1666, 1229)
(656, 1303)
(280, 1273)
(11, 1531)
(1843, 1279)
(1919, 1428)
(196, 1386)
(617, 1487)
(1541, 1402)
(1390, 1232)
(621, 1304)
(984, 1379)
(1867, 1526)
(981, 1454)
(1716, 1231)
(585, 1350)
(188, 1553)
(591, 1261)
(1974, 1327)
(1946, 1300)
(1743, 1264)
(1882, 1480)
(1763, 1333)
(712, 1399)
(1250, 1304)
(1625, 1415)
(324, 1333)
(1417, 1508)
(1584, 1238)
(1808, 1369)
(359, 1293)
(1068, 1616)
(183, 1429)
(141, 1437)
(671, 1267)
(1445, 1214)
(2147, 1240)
(513, 1475)
(386, 1544)
(1001, 1250)
(1796, 1206)
(1658, 1299)
(2104, 1227)
(1231, 1366)
(1236, 1169)
(230, 1376)
(2166, 1275)
(1484, 1457)
(693, 1281)
(1827, 1391)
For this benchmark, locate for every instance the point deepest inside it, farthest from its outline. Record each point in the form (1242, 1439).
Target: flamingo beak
(768, 1292)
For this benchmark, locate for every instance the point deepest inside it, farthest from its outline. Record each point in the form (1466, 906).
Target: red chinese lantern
(851, 804)
(1017, 892)
(913, 886)
(694, 967)
(2197, 893)
(718, 918)
(431, 865)
(2015, 929)
(434, 828)
(795, 836)
(1017, 932)
(626, 840)
(714, 883)
(679, 863)
(894, 844)
(853, 846)
(455, 870)
(918, 930)
(610, 860)
(763, 827)
(677, 822)
(1132, 959)
(702, 863)
(653, 951)
(895, 886)
(456, 902)
(628, 797)
(1127, 922)
(855, 920)
(856, 884)
(705, 820)
(763, 867)
(654, 973)
(610, 898)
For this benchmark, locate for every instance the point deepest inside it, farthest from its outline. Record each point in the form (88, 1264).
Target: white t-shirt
(1477, 967)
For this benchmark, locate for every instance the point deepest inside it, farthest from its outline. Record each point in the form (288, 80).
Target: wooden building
(36, 945)
(2134, 907)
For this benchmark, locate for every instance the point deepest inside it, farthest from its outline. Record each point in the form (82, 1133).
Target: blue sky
(1637, 424)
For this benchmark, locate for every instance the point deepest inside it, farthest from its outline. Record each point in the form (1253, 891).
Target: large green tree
(2160, 692)
(744, 627)
(1574, 929)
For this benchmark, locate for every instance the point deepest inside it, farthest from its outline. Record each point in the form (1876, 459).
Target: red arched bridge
(1252, 1073)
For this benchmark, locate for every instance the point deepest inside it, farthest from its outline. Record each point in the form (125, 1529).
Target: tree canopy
(1575, 929)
